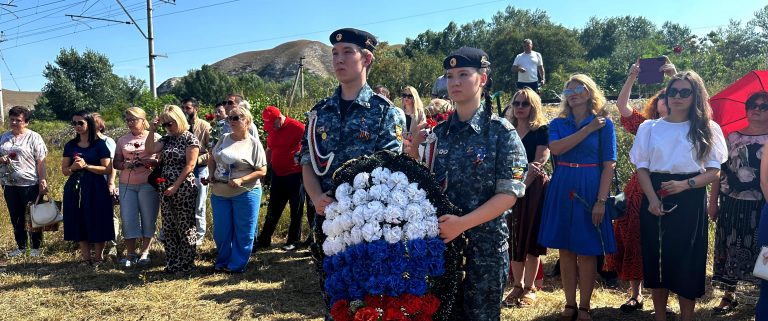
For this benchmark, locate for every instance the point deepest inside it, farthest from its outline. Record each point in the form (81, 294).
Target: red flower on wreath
(367, 314)
(394, 315)
(376, 301)
(430, 304)
(411, 303)
(340, 311)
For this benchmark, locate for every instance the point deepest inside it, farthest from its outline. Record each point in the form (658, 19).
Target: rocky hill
(282, 62)
(19, 98)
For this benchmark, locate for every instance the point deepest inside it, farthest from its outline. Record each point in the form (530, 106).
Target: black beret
(355, 36)
(467, 57)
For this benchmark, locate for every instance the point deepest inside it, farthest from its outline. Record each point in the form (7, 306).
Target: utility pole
(151, 44)
(299, 78)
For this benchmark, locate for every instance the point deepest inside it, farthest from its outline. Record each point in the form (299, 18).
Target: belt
(575, 165)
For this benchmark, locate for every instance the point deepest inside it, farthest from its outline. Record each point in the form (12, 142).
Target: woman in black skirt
(676, 157)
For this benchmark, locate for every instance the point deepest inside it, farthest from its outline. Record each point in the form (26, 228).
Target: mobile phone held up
(650, 72)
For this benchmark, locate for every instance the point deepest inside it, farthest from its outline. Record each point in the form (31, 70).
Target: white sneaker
(35, 253)
(16, 252)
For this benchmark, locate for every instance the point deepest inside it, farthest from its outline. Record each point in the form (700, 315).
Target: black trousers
(18, 198)
(283, 190)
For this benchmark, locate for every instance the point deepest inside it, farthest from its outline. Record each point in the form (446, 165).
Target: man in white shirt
(529, 67)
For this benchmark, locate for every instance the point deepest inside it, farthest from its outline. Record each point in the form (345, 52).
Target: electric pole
(151, 45)
(299, 78)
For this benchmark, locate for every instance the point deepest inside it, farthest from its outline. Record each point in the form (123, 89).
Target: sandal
(587, 311)
(632, 305)
(727, 305)
(571, 317)
(513, 297)
(528, 298)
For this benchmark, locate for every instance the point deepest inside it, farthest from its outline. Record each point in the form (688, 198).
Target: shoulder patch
(503, 122)
(384, 99)
(320, 103)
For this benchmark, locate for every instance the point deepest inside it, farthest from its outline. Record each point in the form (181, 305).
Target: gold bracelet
(601, 201)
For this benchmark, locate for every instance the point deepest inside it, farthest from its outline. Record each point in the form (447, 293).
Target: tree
(82, 83)
(207, 84)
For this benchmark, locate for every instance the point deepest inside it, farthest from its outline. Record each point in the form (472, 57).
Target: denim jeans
(235, 220)
(202, 196)
(139, 205)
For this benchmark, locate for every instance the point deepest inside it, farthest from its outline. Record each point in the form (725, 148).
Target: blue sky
(193, 33)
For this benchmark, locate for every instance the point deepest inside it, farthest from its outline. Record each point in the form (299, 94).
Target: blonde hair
(536, 115)
(596, 101)
(174, 113)
(418, 116)
(438, 106)
(139, 114)
(244, 113)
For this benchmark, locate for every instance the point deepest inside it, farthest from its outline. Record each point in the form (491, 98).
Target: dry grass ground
(276, 286)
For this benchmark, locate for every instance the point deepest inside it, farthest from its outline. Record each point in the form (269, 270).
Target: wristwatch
(691, 183)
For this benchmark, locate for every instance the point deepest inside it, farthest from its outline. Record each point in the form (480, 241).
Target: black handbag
(156, 173)
(616, 204)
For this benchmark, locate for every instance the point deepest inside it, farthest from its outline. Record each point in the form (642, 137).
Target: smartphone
(649, 70)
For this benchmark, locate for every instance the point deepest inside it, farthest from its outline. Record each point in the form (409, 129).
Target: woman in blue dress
(87, 202)
(583, 144)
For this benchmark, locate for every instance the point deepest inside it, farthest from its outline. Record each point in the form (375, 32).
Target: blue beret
(355, 36)
(467, 57)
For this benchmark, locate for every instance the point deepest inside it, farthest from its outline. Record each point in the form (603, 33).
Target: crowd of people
(492, 167)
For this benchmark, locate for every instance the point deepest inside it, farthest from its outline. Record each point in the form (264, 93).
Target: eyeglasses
(761, 107)
(167, 124)
(684, 93)
(521, 104)
(230, 102)
(234, 118)
(131, 120)
(574, 91)
(80, 123)
(662, 96)
(406, 96)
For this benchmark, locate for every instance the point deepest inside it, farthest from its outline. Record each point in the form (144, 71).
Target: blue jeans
(235, 220)
(202, 196)
(139, 205)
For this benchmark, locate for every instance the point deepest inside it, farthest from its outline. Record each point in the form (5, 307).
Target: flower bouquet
(216, 127)
(384, 259)
(7, 170)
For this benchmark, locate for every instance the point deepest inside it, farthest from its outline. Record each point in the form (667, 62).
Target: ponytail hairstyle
(699, 114)
(487, 91)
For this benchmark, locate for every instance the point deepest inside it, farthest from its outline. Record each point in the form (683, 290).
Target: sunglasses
(168, 124)
(230, 102)
(233, 118)
(519, 104)
(662, 96)
(684, 93)
(80, 123)
(407, 96)
(574, 91)
(761, 107)
(131, 120)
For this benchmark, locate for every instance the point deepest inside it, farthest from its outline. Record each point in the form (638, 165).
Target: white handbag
(761, 265)
(44, 213)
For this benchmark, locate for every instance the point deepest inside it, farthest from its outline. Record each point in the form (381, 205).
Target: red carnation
(662, 193)
(160, 180)
(571, 194)
(136, 145)
(394, 315)
(421, 317)
(678, 49)
(431, 123)
(340, 311)
(12, 155)
(367, 314)
(411, 303)
(376, 301)
(209, 117)
(431, 304)
(77, 154)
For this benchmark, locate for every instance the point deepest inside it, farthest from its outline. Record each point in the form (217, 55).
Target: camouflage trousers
(487, 270)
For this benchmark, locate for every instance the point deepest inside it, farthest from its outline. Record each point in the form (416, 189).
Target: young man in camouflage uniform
(353, 122)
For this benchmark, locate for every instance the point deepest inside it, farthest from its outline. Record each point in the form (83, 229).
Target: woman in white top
(676, 157)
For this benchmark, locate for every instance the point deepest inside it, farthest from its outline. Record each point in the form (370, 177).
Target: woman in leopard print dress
(179, 149)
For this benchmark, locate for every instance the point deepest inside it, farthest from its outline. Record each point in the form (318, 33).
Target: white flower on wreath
(360, 197)
(375, 211)
(357, 217)
(413, 212)
(398, 198)
(393, 214)
(393, 234)
(343, 192)
(397, 180)
(415, 194)
(332, 245)
(414, 230)
(362, 180)
(331, 211)
(380, 175)
(379, 192)
(431, 226)
(371, 231)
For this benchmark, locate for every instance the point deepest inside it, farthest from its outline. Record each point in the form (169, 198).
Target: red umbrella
(728, 108)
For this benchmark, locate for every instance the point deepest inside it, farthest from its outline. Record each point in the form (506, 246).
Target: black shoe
(632, 305)
(260, 247)
(612, 283)
(727, 304)
(289, 247)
